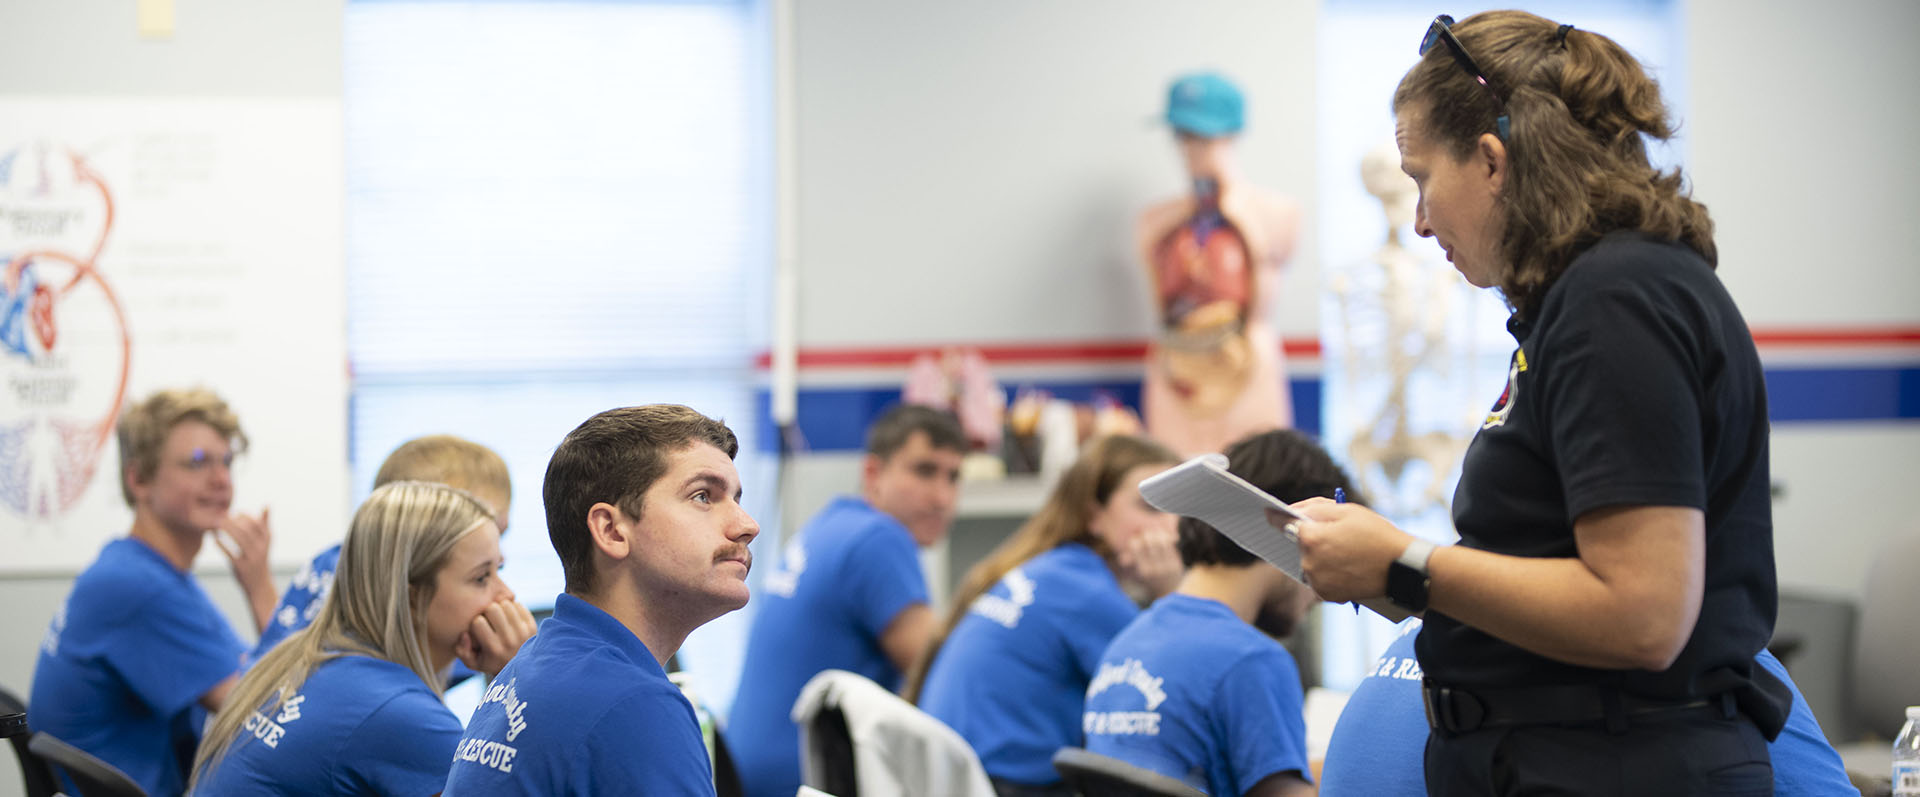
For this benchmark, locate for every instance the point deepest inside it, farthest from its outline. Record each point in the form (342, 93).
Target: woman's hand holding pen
(1344, 548)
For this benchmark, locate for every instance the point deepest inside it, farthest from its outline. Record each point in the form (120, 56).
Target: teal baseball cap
(1205, 104)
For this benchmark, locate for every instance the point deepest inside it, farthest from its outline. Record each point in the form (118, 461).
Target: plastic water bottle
(1906, 757)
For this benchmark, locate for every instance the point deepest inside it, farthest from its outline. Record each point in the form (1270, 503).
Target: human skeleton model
(1395, 315)
(1216, 373)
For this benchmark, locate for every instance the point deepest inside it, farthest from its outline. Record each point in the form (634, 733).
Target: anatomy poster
(168, 243)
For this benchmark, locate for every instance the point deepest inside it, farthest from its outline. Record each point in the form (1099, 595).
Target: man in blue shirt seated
(138, 654)
(643, 507)
(849, 593)
(1195, 688)
(1378, 747)
(441, 459)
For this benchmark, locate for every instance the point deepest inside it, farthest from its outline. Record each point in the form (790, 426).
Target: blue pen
(1340, 497)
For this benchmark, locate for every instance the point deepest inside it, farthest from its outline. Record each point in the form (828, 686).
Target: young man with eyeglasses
(138, 654)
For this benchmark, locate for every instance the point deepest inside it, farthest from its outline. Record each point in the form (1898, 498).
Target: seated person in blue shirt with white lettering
(1009, 671)
(643, 506)
(1196, 688)
(138, 653)
(441, 459)
(1377, 749)
(351, 703)
(848, 593)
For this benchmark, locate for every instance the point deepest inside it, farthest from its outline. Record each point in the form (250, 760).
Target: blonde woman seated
(351, 704)
(1010, 668)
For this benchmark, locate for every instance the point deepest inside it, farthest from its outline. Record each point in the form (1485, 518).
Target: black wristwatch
(1407, 579)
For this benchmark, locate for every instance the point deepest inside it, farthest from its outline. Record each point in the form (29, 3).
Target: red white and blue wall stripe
(1814, 375)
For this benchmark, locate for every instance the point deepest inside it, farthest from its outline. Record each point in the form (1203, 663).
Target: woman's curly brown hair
(1578, 107)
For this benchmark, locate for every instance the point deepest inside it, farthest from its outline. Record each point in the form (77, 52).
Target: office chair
(93, 777)
(827, 753)
(1095, 775)
(858, 738)
(1885, 680)
(726, 777)
(35, 775)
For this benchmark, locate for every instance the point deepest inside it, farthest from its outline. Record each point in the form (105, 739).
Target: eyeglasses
(1442, 30)
(201, 460)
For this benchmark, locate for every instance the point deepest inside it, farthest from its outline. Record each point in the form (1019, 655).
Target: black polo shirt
(1635, 384)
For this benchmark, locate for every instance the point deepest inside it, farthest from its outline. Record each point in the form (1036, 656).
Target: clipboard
(1202, 488)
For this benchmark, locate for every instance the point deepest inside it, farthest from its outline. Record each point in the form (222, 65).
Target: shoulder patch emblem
(1503, 407)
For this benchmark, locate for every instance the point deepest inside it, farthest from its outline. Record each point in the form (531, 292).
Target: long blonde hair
(1085, 487)
(399, 540)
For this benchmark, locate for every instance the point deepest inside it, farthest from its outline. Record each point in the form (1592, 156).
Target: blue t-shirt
(1378, 747)
(301, 602)
(126, 660)
(1012, 676)
(359, 725)
(582, 709)
(1191, 691)
(1804, 762)
(841, 581)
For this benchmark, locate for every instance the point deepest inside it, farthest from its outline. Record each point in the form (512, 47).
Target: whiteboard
(154, 243)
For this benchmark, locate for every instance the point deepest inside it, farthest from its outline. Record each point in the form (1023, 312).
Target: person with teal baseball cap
(1215, 373)
(1205, 104)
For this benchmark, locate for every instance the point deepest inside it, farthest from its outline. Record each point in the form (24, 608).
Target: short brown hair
(614, 457)
(452, 461)
(144, 427)
(896, 426)
(1578, 105)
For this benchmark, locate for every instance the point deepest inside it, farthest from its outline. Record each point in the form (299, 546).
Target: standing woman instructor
(1595, 630)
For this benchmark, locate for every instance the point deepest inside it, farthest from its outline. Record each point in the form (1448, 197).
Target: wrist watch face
(1407, 587)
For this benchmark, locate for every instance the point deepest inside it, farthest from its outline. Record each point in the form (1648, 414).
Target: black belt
(1458, 710)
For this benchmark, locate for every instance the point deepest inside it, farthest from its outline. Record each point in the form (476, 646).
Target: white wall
(969, 172)
(220, 48)
(1801, 144)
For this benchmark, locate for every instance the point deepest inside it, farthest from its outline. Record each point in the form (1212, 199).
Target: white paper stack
(1202, 488)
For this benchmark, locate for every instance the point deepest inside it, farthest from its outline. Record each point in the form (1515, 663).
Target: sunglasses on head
(1442, 31)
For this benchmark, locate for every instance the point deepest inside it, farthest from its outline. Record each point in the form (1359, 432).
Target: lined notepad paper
(1202, 488)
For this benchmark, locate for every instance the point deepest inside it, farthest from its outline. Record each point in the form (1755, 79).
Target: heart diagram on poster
(65, 350)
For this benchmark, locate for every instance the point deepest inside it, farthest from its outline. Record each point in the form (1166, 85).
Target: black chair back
(832, 742)
(1095, 775)
(726, 777)
(92, 776)
(35, 775)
